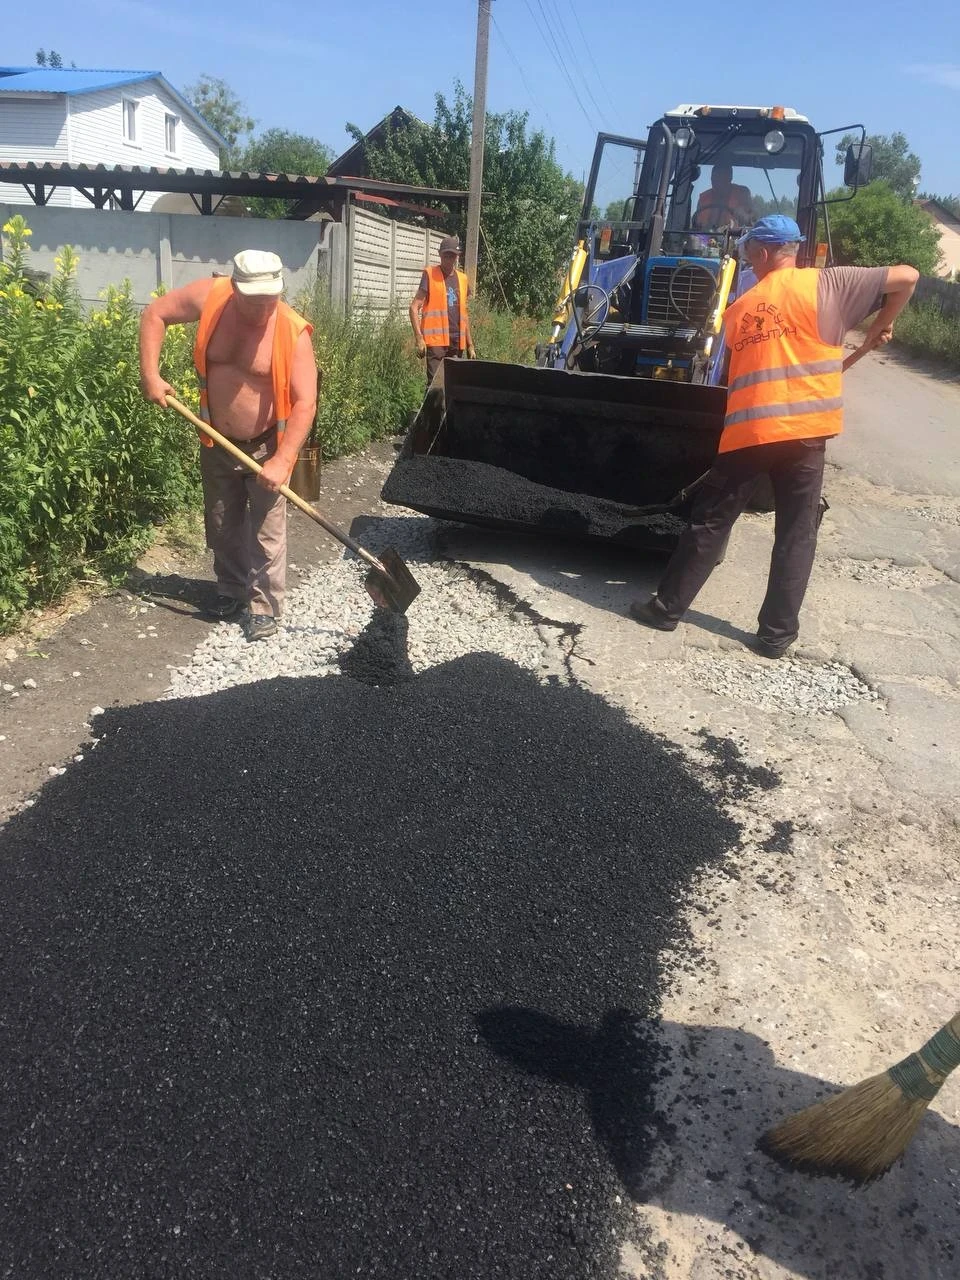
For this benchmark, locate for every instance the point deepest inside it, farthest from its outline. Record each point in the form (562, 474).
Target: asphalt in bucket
(466, 488)
(316, 978)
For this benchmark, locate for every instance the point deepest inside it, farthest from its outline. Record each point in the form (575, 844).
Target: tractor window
(727, 187)
(616, 169)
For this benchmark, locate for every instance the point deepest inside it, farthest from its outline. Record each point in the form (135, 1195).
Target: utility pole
(476, 141)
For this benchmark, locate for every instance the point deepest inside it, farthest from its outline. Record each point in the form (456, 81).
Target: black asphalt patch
(311, 978)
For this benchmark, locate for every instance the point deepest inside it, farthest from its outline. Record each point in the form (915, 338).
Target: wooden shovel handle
(304, 506)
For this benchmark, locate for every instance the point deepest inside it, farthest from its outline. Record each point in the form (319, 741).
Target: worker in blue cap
(784, 401)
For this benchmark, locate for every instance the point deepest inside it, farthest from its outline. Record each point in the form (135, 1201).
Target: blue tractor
(623, 412)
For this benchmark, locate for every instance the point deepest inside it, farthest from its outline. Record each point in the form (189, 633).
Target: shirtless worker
(258, 386)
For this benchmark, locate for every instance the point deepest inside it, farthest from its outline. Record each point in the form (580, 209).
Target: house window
(130, 106)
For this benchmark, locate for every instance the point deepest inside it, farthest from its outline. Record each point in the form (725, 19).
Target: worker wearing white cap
(258, 386)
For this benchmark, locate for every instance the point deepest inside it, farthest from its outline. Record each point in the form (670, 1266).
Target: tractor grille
(693, 290)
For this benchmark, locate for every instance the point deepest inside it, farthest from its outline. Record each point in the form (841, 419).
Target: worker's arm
(416, 320)
(898, 290)
(180, 306)
(303, 395)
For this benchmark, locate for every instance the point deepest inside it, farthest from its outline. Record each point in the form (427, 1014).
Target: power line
(516, 62)
(555, 53)
(571, 48)
(586, 44)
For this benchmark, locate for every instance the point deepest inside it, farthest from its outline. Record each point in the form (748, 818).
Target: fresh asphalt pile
(461, 487)
(321, 976)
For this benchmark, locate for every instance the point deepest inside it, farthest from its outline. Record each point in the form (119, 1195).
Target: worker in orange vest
(724, 203)
(784, 401)
(258, 386)
(439, 313)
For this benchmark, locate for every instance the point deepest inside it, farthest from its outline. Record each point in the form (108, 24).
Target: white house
(61, 115)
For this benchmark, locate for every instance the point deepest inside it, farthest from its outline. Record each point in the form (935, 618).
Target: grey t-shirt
(845, 297)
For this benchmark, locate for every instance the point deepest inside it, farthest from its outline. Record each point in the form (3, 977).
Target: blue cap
(775, 228)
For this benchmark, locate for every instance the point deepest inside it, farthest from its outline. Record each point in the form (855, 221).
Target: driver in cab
(724, 203)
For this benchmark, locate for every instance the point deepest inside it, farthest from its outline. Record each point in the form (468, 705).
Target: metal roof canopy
(117, 184)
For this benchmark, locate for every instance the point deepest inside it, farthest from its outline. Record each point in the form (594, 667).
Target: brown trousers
(435, 358)
(795, 468)
(246, 526)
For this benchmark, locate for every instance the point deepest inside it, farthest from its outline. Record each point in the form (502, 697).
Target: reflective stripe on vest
(288, 329)
(785, 381)
(435, 324)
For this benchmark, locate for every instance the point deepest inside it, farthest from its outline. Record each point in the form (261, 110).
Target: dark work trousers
(795, 468)
(435, 357)
(246, 526)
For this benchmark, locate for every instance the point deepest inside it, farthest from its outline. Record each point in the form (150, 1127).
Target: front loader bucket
(555, 452)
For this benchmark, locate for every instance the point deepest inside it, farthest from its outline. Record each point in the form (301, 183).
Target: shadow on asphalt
(721, 1088)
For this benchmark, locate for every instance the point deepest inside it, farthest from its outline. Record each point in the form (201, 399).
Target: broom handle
(287, 492)
(941, 1054)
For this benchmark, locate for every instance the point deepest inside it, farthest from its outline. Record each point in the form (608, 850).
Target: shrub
(88, 464)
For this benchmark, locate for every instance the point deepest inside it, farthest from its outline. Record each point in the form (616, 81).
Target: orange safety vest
(435, 323)
(288, 330)
(785, 381)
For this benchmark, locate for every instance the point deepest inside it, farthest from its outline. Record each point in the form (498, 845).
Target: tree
(279, 151)
(950, 203)
(878, 228)
(529, 219)
(893, 161)
(216, 102)
(51, 59)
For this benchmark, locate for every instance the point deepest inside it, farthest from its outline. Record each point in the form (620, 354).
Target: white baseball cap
(257, 272)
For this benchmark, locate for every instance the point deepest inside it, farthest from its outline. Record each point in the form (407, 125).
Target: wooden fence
(943, 292)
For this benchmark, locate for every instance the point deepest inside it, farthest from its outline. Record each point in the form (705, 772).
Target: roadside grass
(924, 329)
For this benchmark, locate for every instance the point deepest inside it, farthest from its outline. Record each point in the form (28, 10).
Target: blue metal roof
(68, 80)
(76, 80)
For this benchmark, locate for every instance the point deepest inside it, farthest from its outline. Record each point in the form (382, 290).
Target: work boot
(767, 650)
(258, 626)
(224, 607)
(652, 614)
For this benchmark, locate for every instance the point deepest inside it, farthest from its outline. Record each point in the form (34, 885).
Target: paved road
(902, 426)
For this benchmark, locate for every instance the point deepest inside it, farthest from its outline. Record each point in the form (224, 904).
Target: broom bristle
(856, 1135)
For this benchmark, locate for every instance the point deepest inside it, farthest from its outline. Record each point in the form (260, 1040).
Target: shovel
(389, 582)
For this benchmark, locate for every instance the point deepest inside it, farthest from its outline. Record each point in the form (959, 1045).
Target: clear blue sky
(311, 68)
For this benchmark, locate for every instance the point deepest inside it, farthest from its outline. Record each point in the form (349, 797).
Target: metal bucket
(305, 480)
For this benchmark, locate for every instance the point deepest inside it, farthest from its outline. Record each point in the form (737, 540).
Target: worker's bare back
(239, 381)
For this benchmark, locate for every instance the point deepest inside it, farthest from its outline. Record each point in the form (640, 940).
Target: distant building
(948, 224)
(61, 115)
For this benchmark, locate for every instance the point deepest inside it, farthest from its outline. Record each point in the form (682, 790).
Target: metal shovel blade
(394, 587)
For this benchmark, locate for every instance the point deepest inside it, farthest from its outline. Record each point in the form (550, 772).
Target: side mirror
(858, 165)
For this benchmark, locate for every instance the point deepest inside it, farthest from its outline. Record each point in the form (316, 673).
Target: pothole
(941, 513)
(789, 684)
(883, 572)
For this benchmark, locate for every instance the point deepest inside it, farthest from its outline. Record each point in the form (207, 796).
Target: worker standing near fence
(439, 312)
(784, 401)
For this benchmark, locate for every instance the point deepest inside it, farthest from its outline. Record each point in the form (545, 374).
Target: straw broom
(861, 1132)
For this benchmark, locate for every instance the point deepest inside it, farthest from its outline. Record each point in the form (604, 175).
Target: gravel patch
(938, 514)
(789, 684)
(883, 573)
(312, 978)
(329, 610)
